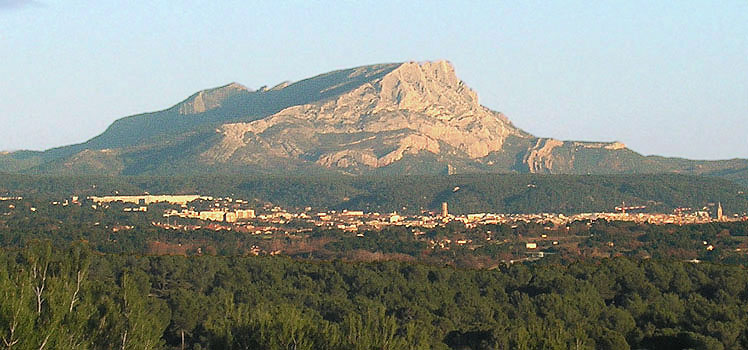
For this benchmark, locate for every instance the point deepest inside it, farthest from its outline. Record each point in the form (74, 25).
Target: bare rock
(425, 99)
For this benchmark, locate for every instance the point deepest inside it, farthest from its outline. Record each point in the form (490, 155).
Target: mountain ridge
(392, 118)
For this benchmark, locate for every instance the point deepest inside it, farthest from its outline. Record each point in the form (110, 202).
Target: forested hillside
(73, 298)
(465, 193)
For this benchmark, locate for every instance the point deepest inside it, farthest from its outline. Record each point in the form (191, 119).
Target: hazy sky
(664, 77)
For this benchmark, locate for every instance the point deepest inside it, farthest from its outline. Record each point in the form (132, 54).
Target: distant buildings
(141, 209)
(235, 211)
(211, 215)
(150, 199)
(215, 215)
(245, 214)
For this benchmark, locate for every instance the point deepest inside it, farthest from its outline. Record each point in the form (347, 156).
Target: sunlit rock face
(415, 108)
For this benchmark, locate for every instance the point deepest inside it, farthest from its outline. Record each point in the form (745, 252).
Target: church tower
(720, 217)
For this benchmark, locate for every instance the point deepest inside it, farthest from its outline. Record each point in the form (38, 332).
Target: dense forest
(76, 298)
(501, 193)
(78, 277)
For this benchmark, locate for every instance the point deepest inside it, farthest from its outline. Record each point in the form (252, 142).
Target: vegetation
(72, 298)
(111, 230)
(508, 193)
(75, 277)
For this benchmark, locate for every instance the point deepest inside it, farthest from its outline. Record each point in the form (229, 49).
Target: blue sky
(664, 77)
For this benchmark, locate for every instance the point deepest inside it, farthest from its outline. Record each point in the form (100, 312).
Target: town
(238, 214)
(270, 229)
(229, 213)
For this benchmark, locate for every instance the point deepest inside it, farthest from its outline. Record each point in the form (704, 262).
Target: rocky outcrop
(605, 145)
(209, 99)
(424, 100)
(348, 158)
(539, 158)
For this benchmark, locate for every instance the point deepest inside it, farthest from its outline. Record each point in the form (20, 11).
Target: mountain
(398, 118)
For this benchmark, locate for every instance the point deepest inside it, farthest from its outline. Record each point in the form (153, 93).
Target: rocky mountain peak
(429, 87)
(392, 111)
(206, 100)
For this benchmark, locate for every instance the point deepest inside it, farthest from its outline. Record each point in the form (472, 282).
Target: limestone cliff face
(417, 107)
(551, 156)
(539, 158)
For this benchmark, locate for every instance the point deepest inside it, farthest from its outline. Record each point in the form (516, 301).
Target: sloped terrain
(386, 119)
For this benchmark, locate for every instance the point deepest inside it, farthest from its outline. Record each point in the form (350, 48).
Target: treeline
(75, 299)
(504, 193)
(111, 230)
